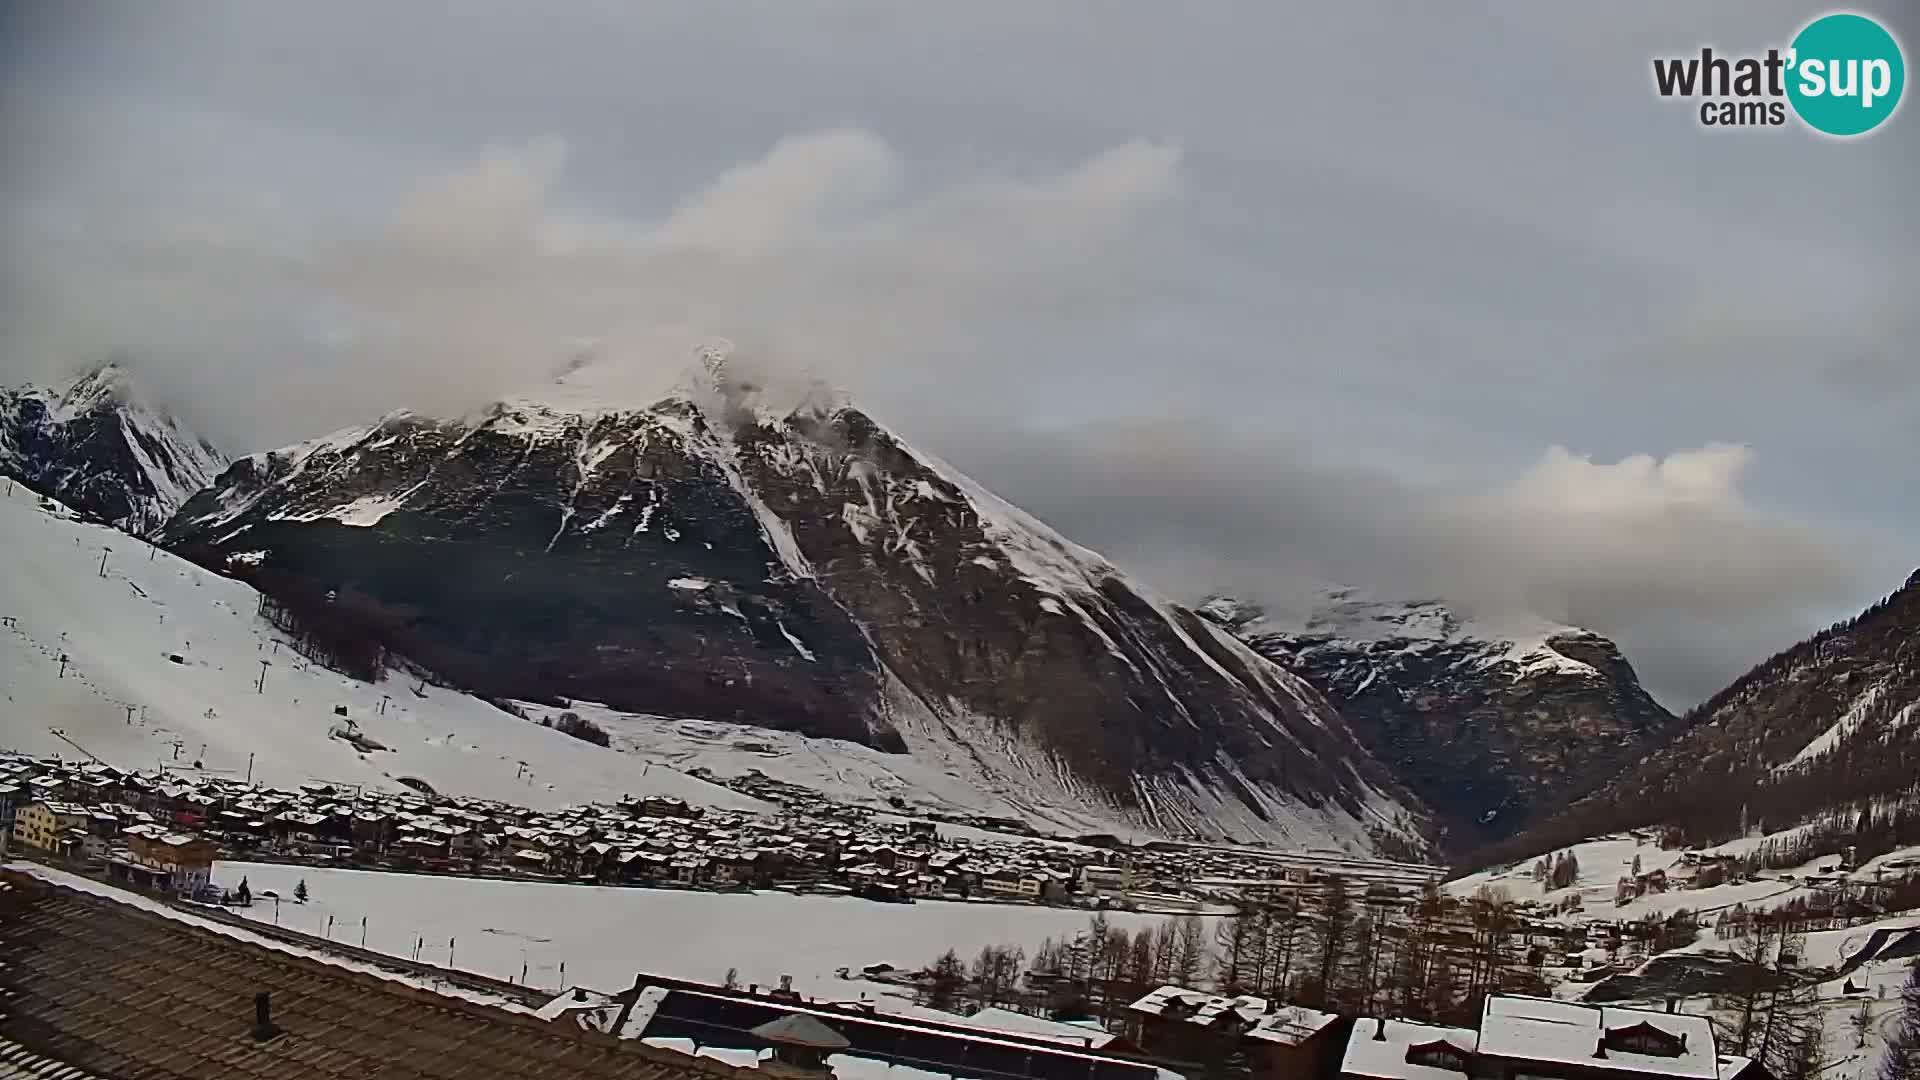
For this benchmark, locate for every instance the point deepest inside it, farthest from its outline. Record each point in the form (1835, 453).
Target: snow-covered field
(124, 699)
(607, 935)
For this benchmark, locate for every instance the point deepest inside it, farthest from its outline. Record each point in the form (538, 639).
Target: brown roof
(132, 995)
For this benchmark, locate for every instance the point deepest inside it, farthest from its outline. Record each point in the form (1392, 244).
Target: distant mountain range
(715, 555)
(1493, 724)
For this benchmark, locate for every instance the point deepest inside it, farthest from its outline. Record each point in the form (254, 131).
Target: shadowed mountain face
(801, 569)
(93, 444)
(1827, 731)
(1494, 727)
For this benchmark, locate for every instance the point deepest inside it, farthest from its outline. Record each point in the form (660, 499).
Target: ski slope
(124, 699)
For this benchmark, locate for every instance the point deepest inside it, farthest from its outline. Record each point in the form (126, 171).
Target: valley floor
(606, 935)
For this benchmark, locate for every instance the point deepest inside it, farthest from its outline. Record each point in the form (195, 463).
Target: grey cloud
(825, 255)
(1666, 554)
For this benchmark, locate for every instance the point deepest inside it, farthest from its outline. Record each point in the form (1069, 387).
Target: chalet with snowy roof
(1291, 1042)
(1381, 1049)
(1179, 1024)
(1529, 1037)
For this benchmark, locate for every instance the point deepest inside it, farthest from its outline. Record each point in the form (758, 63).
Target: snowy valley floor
(605, 935)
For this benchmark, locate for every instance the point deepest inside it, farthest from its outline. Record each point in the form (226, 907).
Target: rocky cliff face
(1494, 726)
(799, 568)
(1828, 729)
(94, 444)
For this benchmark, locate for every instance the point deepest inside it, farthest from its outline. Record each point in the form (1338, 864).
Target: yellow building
(39, 824)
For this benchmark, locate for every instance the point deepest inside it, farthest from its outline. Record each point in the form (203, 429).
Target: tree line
(1345, 950)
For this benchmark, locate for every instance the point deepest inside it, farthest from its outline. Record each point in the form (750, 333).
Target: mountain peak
(106, 383)
(91, 441)
(1492, 719)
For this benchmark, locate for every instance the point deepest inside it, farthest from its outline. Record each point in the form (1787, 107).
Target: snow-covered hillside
(162, 662)
(94, 442)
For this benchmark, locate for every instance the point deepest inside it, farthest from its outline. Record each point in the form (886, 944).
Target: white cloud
(827, 253)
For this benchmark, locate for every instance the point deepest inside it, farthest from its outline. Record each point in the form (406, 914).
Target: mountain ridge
(1825, 732)
(1493, 723)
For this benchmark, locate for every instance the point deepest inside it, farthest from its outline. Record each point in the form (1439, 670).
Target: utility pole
(363, 931)
(63, 666)
(129, 709)
(449, 953)
(249, 770)
(104, 552)
(260, 685)
(384, 698)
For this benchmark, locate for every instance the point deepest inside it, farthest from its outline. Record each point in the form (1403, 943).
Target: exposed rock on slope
(1828, 727)
(94, 444)
(1494, 726)
(802, 569)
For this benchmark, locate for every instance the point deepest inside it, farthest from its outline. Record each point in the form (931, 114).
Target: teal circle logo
(1845, 74)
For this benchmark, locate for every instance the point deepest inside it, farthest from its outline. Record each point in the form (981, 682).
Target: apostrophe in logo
(1842, 75)
(1846, 74)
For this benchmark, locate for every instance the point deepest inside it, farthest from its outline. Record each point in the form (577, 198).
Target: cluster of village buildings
(88, 810)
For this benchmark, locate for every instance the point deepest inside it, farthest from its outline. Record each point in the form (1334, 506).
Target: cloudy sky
(1432, 301)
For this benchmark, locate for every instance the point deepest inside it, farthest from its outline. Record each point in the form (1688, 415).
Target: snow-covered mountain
(1494, 723)
(97, 445)
(146, 659)
(1827, 733)
(795, 566)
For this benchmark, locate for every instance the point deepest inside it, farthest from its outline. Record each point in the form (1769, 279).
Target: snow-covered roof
(1542, 1029)
(1378, 1048)
(1291, 1025)
(1206, 1007)
(1017, 1023)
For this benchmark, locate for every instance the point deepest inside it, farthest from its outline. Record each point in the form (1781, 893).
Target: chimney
(1380, 1029)
(1673, 1005)
(786, 984)
(263, 1028)
(626, 1007)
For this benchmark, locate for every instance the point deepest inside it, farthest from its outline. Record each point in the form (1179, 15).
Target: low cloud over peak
(827, 252)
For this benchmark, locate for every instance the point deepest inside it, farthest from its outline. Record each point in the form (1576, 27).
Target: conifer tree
(1902, 1060)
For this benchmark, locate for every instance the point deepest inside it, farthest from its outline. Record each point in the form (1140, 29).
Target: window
(1644, 1038)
